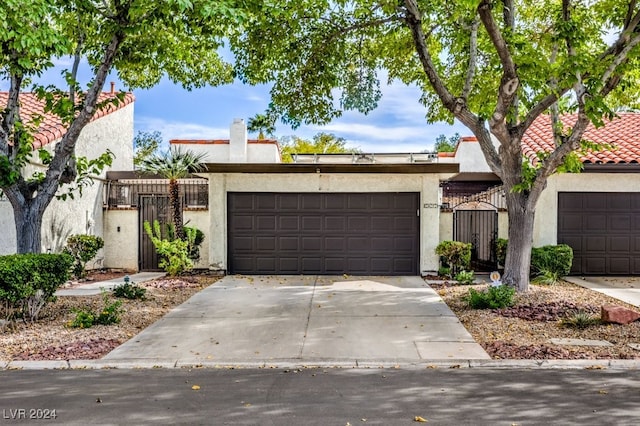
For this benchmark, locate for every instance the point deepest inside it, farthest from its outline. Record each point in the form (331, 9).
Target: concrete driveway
(260, 320)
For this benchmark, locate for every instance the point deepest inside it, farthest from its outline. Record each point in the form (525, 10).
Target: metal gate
(480, 228)
(152, 207)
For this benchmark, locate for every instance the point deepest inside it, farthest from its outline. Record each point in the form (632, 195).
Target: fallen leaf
(195, 387)
(603, 392)
(419, 419)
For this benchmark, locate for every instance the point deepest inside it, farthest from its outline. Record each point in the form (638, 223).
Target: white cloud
(180, 130)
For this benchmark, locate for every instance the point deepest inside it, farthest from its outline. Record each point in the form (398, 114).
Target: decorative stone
(618, 314)
(580, 342)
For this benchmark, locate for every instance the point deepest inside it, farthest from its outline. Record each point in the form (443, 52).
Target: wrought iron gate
(152, 207)
(480, 228)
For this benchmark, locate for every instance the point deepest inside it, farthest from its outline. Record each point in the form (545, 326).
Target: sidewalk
(96, 287)
(626, 289)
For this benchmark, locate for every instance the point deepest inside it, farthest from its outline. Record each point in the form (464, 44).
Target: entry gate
(480, 228)
(152, 207)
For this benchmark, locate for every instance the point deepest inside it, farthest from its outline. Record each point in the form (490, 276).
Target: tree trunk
(28, 221)
(176, 208)
(518, 261)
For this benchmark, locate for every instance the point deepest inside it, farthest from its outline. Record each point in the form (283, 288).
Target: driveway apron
(306, 320)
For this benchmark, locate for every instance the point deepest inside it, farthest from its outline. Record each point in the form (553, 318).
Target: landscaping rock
(618, 314)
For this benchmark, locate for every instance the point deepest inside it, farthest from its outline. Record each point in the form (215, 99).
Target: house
(371, 213)
(111, 128)
(596, 212)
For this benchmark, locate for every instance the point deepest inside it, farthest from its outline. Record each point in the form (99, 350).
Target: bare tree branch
(509, 82)
(12, 113)
(473, 55)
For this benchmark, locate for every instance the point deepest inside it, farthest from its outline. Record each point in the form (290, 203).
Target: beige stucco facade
(424, 184)
(82, 215)
(546, 222)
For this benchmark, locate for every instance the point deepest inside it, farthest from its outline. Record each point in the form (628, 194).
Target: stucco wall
(546, 222)
(426, 185)
(121, 239)
(82, 215)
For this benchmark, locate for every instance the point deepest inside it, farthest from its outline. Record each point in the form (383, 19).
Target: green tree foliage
(263, 124)
(174, 164)
(321, 143)
(495, 66)
(142, 41)
(444, 144)
(145, 144)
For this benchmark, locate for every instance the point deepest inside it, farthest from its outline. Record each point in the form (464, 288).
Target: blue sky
(397, 125)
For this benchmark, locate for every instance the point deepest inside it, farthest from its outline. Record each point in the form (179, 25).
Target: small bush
(580, 319)
(111, 313)
(465, 277)
(83, 248)
(174, 254)
(130, 291)
(501, 250)
(454, 254)
(555, 259)
(443, 271)
(29, 281)
(547, 278)
(493, 298)
(84, 319)
(194, 238)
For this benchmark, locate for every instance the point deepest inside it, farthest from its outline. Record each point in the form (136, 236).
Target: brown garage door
(323, 233)
(603, 229)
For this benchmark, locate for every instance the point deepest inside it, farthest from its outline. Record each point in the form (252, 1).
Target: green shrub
(493, 298)
(28, 282)
(444, 271)
(174, 254)
(454, 254)
(580, 319)
(547, 278)
(83, 248)
(111, 313)
(547, 261)
(84, 319)
(194, 238)
(465, 277)
(130, 291)
(554, 259)
(501, 250)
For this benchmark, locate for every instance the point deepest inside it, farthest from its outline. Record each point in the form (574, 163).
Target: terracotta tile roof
(51, 128)
(622, 132)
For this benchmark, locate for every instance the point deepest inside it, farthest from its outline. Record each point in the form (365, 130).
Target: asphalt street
(313, 396)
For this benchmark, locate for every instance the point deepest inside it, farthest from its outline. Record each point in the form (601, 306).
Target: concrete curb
(512, 364)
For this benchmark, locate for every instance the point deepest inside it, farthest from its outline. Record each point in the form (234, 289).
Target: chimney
(113, 88)
(238, 141)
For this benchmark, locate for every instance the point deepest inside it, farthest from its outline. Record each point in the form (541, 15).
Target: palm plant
(174, 164)
(262, 124)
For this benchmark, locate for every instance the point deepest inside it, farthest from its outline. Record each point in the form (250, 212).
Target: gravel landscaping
(523, 331)
(50, 338)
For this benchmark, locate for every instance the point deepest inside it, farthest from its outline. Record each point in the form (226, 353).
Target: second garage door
(323, 233)
(603, 228)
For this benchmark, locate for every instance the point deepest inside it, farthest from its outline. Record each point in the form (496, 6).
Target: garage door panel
(265, 223)
(312, 243)
(288, 243)
(604, 233)
(263, 202)
(619, 265)
(619, 244)
(323, 233)
(335, 223)
(619, 223)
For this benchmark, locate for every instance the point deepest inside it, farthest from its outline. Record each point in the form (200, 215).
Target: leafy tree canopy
(444, 144)
(321, 143)
(145, 145)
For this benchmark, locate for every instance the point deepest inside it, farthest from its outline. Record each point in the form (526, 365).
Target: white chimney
(238, 141)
